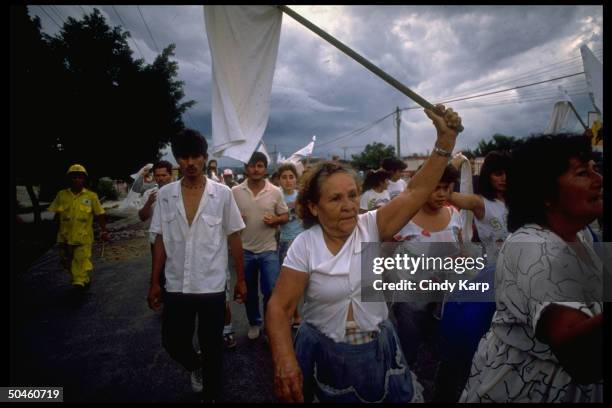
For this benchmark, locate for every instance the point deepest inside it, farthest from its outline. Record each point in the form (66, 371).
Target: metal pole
(577, 115)
(357, 57)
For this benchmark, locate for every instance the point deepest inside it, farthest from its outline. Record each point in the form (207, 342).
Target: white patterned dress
(535, 268)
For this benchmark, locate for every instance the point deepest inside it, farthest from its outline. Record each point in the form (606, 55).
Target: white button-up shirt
(196, 255)
(335, 280)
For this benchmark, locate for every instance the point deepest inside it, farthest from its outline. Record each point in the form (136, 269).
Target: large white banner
(243, 44)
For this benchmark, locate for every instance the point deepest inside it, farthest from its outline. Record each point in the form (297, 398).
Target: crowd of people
(299, 242)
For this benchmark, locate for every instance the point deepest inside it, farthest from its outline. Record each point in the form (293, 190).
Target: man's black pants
(178, 326)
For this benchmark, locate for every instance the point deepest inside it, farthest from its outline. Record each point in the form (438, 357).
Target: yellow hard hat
(77, 168)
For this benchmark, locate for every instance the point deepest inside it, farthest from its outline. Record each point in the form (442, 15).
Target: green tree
(371, 156)
(498, 142)
(34, 82)
(82, 98)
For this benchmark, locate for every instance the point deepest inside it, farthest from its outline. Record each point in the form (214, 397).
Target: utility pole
(397, 124)
(344, 148)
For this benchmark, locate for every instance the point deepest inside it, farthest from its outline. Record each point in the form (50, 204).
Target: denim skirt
(340, 372)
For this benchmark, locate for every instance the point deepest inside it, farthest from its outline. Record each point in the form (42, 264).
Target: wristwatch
(441, 152)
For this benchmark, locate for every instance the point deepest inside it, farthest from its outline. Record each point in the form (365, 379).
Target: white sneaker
(196, 380)
(253, 332)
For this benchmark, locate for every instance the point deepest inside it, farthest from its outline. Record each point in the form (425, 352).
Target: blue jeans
(341, 372)
(267, 264)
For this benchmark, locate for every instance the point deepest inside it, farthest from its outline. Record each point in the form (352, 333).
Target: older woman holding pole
(346, 350)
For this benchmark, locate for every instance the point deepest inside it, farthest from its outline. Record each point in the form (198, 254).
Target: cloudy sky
(440, 52)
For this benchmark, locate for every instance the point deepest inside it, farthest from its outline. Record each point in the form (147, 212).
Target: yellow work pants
(77, 259)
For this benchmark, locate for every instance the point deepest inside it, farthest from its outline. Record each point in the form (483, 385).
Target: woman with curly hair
(346, 350)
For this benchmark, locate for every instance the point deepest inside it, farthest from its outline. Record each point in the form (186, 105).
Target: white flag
(243, 44)
(306, 151)
(560, 114)
(593, 70)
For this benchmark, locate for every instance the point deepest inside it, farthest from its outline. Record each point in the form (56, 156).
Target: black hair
(495, 161)
(163, 164)
(258, 157)
(450, 175)
(531, 183)
(189, 142)
(392, 164)
(374, 179)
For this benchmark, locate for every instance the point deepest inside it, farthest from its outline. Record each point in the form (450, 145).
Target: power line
(358, 131)
(496, 92)
(84, 12)
(48, 15)
(574, 62)
(124, 25)
(57, 13)
(147, 26)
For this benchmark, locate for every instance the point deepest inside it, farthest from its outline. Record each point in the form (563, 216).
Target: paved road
(107, 347)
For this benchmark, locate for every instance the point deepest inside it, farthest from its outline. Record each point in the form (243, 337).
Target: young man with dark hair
(195, 220)
(394, 167)
(262, 208)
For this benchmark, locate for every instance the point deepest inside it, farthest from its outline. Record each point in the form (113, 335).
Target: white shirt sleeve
(297, 255)
(281, 206)
(232, 220)
(368, 221)
(156, 223)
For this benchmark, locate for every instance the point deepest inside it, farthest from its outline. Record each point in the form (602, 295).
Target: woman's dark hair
(392, 164)
(536, 167)
(450, 175)
(374, 179)
(189, 142)
(310, 191)
(494, 161)
(163, 164)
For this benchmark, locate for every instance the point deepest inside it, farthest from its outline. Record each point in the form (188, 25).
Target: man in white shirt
(394, 167)
(195, 220)
(263, 208)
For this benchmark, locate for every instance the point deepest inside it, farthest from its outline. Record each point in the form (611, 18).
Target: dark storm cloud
(438, 51)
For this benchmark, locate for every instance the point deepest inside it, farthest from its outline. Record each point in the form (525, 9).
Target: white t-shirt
(371, 200)
(196, 255)
(413, 238)
(493, 228)
(396, 187)
(335, 280)
(535, 268)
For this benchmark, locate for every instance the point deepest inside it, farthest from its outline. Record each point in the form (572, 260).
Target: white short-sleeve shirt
(395, 188)
(335, 280)
(196, 255)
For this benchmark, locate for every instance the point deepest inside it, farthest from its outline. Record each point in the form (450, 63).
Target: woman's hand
(445, 126)
(288, 380)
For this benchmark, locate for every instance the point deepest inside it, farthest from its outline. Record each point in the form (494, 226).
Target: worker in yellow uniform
(75, 208)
